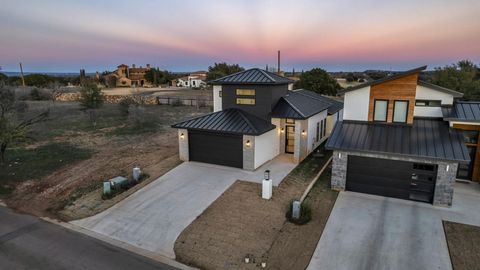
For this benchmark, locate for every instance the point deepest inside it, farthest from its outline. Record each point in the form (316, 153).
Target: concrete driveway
(153, 217)
(373, 232)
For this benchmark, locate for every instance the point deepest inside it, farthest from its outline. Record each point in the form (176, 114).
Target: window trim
(244, 98)
(406, 114)
(375, 107)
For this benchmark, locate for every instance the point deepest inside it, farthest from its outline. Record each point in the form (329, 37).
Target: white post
(267, 186)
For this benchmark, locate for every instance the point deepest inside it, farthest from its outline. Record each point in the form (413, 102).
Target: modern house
(194, 80)
(256, 118)
(394, 140)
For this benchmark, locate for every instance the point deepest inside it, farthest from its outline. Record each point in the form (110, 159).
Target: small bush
(124, 105)
(39, 94)
(305, 214)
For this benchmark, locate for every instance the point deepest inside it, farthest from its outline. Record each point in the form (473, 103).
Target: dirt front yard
(463, 244)
(60, 173)
(240, 224)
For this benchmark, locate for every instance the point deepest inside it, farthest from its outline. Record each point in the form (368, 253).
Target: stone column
(183, 144)
(249, 153)
(339, 170)
(445, 183)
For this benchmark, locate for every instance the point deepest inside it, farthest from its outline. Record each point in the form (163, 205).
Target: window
(246, 101)
(321, 128)
(317, 137)
(290, 121)
(324, 127)
(470, 136)
(428, 103)
(380, 110)
(245, 92)
(400, 111)
(220, 93)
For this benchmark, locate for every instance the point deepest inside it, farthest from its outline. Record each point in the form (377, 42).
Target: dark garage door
(391, 178)
(221, 149)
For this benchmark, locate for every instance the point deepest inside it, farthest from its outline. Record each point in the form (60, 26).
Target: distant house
(256, 118)
(194, 80)
(125, 76)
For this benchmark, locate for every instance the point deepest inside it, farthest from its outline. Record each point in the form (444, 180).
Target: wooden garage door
(391, 178)
(221, 149)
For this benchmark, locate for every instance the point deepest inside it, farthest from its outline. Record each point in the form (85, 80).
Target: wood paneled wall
(400, 89)
(476, 162)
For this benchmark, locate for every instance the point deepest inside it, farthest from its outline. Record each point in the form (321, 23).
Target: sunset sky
(66, 35)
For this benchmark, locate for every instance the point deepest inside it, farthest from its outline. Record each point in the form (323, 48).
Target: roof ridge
(197, 117)
(294, 107)
(247, 120)
(266, 74)
(230, 75)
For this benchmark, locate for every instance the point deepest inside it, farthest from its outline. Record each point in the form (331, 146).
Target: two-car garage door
(391, 178)
(214, 148)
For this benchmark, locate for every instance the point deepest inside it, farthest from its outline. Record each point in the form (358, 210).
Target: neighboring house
(125, 76)
(465, 116)
(256, 118)
(194, 80)
(393, 141)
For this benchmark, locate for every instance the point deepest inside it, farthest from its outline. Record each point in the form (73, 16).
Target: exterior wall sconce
(182, 136)
(282, 130)
(304, 132)
(448, 167)
(247, 143)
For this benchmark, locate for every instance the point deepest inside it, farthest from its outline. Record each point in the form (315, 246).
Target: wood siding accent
(400, 89)
(476, 164)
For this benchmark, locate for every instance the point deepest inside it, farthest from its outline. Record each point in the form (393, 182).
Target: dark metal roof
(297, 105)
(454, 93)
(252, 76)
(462, 111)
(385, 79)
(335, 105)
(426, 138)
(233, 121)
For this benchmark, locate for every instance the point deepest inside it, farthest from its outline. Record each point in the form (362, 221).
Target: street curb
(140, 251)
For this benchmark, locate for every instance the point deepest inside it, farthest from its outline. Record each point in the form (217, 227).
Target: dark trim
(375, 107)
(385, 79)
(393, 111)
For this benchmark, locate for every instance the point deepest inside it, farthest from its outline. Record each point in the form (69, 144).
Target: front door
(290, 139)
(465, 171)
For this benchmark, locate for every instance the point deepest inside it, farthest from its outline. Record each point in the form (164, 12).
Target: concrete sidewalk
(153, 217)
(372, 232)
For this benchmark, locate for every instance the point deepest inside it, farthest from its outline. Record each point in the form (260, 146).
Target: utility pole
(21, 75)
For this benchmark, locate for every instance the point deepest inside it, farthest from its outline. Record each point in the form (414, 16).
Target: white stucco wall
(312, 130)
(266, 147)
(356, 104)
(425, 93)
(217, 100)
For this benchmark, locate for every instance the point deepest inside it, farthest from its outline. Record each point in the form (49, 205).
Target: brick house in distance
(125, 76)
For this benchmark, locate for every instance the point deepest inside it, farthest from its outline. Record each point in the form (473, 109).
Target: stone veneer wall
(445, 182)
(249, 153)
(183, 145)
(114, 99)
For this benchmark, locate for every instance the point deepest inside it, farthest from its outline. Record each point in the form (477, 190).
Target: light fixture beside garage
(182, 136)
(247, 143)
(282, 130)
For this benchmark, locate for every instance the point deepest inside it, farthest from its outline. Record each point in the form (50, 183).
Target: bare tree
(11, 129)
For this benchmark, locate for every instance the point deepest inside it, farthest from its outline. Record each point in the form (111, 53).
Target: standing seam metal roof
(233, 121)
(426, 138)
(252, 76)
(462, 111)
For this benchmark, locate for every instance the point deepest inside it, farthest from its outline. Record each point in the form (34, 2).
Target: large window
(246, 101)
(245, 92)
(400, 111)
(471, 136)
(428, 103)
(380, 110)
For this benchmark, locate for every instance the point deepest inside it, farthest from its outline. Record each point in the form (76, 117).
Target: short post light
(267, 186)
(266, 175)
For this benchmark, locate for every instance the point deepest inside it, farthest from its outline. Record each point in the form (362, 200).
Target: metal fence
(182, 101)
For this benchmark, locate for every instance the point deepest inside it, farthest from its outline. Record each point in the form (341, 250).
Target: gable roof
(462, 111)
(385, 79)
(335, 105)
(252, 76)
(232, 121)
(299, 105)
(426, 138)
(454, 93)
